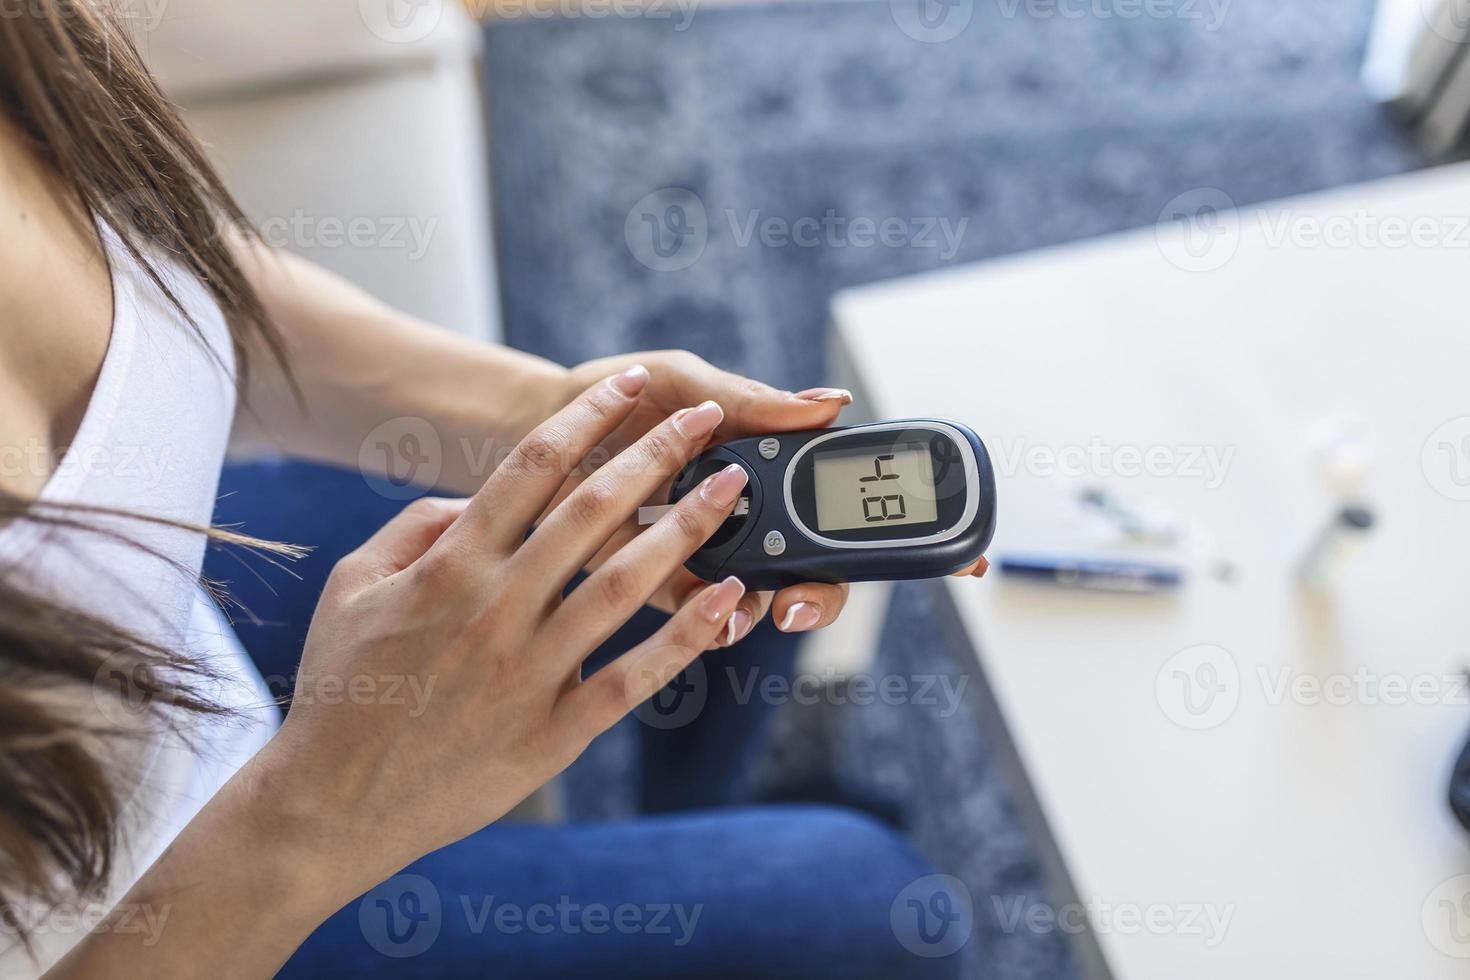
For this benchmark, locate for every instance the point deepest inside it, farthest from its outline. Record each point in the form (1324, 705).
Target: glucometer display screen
(888, 486)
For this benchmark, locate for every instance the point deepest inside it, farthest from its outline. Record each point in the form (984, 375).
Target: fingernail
(801, 617)
(737, 626)
(724, 487)
(722, 601)
(631, 381)
(826, 395)
(699, 421)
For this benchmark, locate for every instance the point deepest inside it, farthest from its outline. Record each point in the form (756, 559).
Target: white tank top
(152, 441)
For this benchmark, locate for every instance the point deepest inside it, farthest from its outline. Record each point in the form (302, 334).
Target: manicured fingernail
(724, 487)
(826, 395)
(801, 617)
(631, 381)
(737, 626)
(699, 421)
(722, 601)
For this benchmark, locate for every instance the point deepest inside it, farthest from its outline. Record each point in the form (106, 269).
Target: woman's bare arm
(453, 597)
(359, 364)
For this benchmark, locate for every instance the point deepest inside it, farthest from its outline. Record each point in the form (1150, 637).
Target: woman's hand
(751, 408)
(460, 616)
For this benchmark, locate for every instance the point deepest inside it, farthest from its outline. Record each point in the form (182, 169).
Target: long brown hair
(73, 83)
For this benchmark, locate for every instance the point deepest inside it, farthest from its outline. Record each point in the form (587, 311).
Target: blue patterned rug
(1023, 130)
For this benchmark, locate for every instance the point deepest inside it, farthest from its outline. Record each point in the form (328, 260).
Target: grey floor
(1034, 131)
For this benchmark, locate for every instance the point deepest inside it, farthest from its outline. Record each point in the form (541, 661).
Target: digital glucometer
(890, 500)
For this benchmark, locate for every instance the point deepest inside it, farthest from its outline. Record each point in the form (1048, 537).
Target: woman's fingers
(402, 541)
(802, 608)
(978, 569)
(624, 583)
(520, 488)
(579, 526)
(597, 704)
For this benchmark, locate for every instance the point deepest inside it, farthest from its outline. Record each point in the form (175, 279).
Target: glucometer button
(769, 448)
(775, 544)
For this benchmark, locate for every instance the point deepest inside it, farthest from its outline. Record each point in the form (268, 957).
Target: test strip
(647, 515)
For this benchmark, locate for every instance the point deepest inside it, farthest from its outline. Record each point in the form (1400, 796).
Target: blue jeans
(761, 892)
(772, 891)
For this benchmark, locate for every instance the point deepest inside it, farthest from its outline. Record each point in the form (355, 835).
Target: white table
(1317, 823)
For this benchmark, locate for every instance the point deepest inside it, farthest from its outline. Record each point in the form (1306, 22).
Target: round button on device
(769, 448)
(775, 544)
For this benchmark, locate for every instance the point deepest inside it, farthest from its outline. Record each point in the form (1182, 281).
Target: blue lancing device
(907, 499)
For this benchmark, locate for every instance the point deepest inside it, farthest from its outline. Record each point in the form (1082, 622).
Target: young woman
(141, 768)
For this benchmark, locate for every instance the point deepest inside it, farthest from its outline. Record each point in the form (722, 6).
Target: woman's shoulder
(55, 314)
